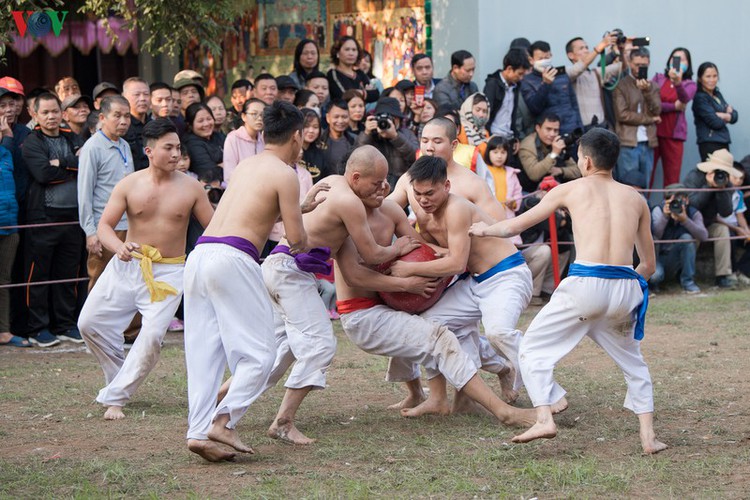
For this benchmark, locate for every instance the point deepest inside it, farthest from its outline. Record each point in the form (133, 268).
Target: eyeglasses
(254, 115)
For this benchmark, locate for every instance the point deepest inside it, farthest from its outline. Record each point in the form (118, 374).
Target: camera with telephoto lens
(677, 205)
(384, 121)
(721, 178)
(570, 140)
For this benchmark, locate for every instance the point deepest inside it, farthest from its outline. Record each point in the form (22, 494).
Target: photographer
(637, 109)
(548, 90)
(545, 152)
(383, 131)
(675, 219)
(715, 173)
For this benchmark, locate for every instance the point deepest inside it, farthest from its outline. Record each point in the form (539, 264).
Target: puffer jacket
(8, 202)
(559, 98)
(708, 126)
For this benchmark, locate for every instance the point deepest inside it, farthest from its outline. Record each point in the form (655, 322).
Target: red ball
(410, 302)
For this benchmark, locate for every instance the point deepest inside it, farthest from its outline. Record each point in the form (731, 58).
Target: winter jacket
(559, 98)
(399, 152)
(494, 90)
(708, 126)
(44, 176)
(205, 154)
(710, 203)
(8, 202)
(685, 93)
(628, 98)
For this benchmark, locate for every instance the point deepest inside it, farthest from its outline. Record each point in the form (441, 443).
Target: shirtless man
(145, 275)
(439, 139)
(228, 314)
(602, 297)
(380, 330)
(306, 336)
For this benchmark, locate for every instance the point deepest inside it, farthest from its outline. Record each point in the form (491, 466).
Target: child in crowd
(507, 185)
(737, 224)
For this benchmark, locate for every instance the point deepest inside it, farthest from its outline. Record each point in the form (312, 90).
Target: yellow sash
(158, 289)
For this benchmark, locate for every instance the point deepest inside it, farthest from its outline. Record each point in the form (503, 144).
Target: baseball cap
(10, 84)
(286, 82)
(72, 100)
(187, 74)
(103, 87)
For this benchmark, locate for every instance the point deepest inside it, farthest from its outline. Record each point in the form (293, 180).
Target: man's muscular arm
(202, 209)
(357, 275)
(354, 217)
(458, 219)
(116, 206)
(399, 194)
(287, 187)
(511, 227)
(644, 242)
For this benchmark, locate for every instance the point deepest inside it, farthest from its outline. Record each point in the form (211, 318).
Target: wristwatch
(553, 155)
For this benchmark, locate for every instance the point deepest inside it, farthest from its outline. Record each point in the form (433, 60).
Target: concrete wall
(712, 32)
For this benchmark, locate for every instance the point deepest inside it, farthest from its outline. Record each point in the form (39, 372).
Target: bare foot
(209, 450)
(221, 434)
(114, 413)
(560, 406)
(409, 401)
(507, 379)
(223, 390)
(284, 430)
(539, 430)
(462, 404)
(518, 417)
(649, 442)
(429, 407)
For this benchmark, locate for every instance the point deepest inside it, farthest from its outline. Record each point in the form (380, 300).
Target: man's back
(250, 206)
(607, 219)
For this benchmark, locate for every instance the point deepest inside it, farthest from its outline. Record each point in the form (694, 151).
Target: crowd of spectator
(59, 164)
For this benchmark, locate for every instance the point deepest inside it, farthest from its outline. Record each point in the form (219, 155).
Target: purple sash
(314, 261)
(240, 244)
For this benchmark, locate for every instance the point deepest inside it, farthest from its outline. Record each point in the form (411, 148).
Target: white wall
(714, 31)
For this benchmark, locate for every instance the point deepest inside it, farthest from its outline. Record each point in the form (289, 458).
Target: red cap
(12, 85)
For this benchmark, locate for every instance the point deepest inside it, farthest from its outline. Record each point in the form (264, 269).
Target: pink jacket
(685, 93)
(305, 185)
(238, 146)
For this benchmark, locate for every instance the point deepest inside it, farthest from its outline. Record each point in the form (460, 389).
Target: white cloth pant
(304, 335)
(228, 318)
(603, 309)
(118, 294)
(384, 331)
(498, 302)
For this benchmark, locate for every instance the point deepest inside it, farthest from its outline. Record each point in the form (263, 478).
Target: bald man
(306, 336)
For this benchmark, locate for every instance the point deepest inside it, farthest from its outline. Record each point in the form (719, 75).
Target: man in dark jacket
(53, 253)
(138, 94)
(546, 90)
(501, 89)
(398, 144)
(452, 90)
(714, 174)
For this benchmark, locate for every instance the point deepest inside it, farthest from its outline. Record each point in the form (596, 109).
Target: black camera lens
(675, 206)
(721, 178)
(383, 121)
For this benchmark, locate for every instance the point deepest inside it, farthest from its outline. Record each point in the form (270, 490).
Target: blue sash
(617, 273)
(508, 262)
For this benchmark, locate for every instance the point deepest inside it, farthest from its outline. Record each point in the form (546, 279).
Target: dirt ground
(54, 443)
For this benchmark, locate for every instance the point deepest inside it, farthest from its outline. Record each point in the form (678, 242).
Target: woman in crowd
(307, 99)
(306, 61)
(216, 104)
(676, 89)
(356, 106)
(365, 64)
(423, 114)
(247, 140)
(711, 112)
(312, 155)
(203, 144)
(345, 55)
(474, 114)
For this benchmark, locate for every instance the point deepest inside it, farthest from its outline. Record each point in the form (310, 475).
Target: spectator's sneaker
(72, 335)
(44, 339)
(691, 288)
(176, 325)
(742, 279)
(726, 281)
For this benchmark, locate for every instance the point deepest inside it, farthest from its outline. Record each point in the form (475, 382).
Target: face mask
(480, 122)
(683, 67)
(542, 65)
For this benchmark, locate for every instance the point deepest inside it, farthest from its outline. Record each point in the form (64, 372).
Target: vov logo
(39, 23)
